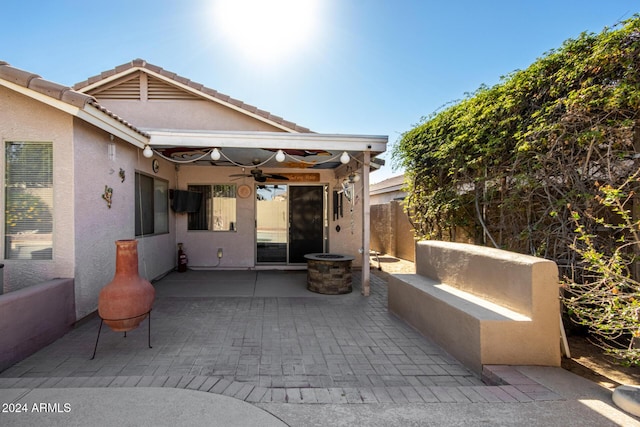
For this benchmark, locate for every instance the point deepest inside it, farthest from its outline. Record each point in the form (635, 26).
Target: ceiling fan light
(344, 159)
(280, 156)
(215, 154)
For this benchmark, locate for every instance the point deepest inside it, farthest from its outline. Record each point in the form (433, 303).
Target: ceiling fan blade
(278, 177)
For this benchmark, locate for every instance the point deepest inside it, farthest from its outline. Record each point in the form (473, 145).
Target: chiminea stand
(148, 313)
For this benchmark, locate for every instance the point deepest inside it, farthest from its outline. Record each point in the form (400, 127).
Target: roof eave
(98, 118)
(45, 99)
(87, 113)
(268, 140)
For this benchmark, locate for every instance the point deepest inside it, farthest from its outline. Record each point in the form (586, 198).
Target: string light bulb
(280, 156)
(147, 152)
(215, 154)
(344, 159)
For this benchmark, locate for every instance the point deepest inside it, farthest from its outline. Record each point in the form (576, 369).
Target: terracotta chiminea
(126, 301)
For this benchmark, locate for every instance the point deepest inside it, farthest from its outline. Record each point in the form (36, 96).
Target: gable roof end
(142, 64)
(59, 92)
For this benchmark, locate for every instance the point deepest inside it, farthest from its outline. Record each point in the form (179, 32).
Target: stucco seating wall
(484, 306)
(34, 317)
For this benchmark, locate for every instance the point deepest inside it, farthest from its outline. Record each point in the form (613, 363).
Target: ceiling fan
(260, 176)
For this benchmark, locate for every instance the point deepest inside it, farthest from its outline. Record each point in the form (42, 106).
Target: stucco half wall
(485, 306)
(34, 317)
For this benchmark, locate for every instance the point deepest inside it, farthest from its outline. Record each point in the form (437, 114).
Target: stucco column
(366, 226)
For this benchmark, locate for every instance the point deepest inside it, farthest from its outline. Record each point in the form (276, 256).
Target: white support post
(366, 226)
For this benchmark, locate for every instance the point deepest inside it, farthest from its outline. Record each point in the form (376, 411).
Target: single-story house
(140, 152)
(391, 189)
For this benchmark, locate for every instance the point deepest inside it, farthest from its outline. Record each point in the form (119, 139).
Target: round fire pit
(329, 274)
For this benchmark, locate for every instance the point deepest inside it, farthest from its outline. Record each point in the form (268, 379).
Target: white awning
(267, 140)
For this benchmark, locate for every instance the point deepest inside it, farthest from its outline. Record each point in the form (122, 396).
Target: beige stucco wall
(391, 231)
(184, 114)
(201, 246)
(348, 240)
(26, 120)
(97, 227)
(239, 246)
(85, 229)
(523, 331)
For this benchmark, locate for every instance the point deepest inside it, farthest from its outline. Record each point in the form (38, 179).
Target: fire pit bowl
(329, 274)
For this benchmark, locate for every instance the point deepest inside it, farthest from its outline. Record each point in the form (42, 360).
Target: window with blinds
(29, 200)
(217, 210)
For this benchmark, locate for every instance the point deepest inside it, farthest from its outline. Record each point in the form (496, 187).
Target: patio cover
(302, 150)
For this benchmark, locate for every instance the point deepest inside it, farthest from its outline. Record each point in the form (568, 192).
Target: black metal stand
(148, 313)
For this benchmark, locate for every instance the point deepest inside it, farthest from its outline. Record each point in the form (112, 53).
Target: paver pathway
(315, 349)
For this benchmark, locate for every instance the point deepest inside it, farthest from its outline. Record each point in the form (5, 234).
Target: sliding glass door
(290, 222)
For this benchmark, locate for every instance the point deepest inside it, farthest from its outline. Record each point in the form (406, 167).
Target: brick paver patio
(315, 349)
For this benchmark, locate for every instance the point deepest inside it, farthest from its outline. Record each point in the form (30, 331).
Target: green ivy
(515, 164)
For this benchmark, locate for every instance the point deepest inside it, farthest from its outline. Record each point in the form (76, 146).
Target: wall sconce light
(344, 159)
(147, 152)
(215, 154)
(280, 156)
(111, 151)
(354, 177)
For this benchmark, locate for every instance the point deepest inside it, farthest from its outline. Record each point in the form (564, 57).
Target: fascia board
(108, 79)
(270, 140)
(97, 118)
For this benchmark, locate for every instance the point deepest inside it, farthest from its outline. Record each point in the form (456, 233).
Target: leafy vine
(523, 165)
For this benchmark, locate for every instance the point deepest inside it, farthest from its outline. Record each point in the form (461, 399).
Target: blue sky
(372, 67)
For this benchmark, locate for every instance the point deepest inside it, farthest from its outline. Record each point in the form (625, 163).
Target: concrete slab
(11, 395)
(208, 290)
(540, 414)
(131, 406)
(283, 284)
(211, 284)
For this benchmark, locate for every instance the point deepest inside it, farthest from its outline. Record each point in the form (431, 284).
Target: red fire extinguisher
(182, 259)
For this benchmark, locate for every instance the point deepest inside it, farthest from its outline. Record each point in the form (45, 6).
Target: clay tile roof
(75, 98)
(56, 91)
(118, 118)
(141, 63)
(14, 75)
(45, 87)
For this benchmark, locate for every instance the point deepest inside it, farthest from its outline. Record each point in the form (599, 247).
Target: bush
(532, 164)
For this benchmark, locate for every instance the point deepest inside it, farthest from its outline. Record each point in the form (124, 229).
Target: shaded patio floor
(257, 327)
